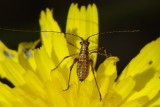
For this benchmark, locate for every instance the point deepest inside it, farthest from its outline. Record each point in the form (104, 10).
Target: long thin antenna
(123, 31)
(15, 30)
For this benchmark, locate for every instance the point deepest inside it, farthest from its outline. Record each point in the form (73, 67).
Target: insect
(84, 61)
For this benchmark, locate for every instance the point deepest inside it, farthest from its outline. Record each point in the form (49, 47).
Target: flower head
(36, 85)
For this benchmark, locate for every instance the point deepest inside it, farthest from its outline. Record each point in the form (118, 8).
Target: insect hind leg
(91, 62)
(75, 60)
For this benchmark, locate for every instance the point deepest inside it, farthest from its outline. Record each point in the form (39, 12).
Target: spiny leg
(101, 51)
(91, 62)
(75, 60)
(62, 61)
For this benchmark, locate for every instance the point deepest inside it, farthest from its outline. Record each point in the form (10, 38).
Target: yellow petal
(124, 88)
(14, 71)
(34, 85)
(72, 26)
(92, 23)
(85, 92)
(154, 102)
(144, 69)
(26, 55)
(54, 43)
(151, 89)
(7, 53)
(44, 64)
(133, 103)
(60, 49)
(106, 75)
(47, 23)
(82, 22)
(6, 96)
(145, 63)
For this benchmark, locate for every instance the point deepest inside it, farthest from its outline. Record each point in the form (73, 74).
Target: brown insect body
(83, 61)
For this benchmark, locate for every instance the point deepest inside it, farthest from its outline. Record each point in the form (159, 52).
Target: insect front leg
(72, 45)
(91, 63)
(75, 60)
(101, 51)
(62, 61)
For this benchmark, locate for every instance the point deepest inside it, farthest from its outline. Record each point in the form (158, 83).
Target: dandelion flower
(35, 85)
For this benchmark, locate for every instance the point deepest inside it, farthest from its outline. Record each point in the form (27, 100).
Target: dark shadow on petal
(144, 77)
(7, 82)
(153, 100)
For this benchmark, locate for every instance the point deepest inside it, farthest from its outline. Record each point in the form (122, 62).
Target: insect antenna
(123, 31)
(19, 30)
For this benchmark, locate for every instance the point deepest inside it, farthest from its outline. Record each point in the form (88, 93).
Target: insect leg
(70, 42)
(101, 51)
(72, 45)
(75, 60)
(62, 61)
(91, 62)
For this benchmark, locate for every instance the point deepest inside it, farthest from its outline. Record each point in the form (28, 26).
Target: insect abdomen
(83, 67)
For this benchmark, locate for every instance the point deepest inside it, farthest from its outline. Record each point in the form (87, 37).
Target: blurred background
(143, 15)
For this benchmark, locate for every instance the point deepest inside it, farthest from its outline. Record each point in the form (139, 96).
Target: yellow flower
(36, 85)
